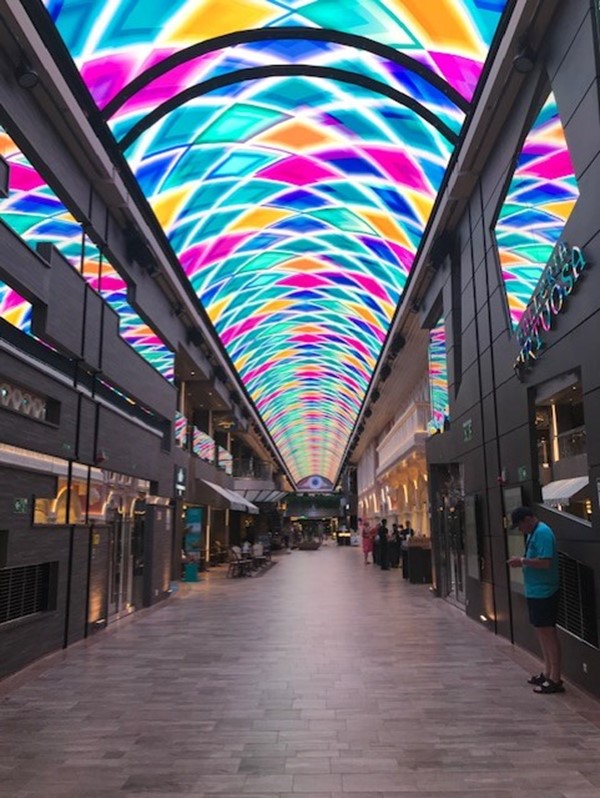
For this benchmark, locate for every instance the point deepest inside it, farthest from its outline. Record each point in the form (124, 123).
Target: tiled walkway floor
(323, 678)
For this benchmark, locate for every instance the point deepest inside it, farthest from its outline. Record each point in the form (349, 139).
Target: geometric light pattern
(180, 430)
(299, 268)
(292, 152)
(34, 212)
(225, 460)
(203, 445)
(115, 42)
(438, 378)
(540, 198)
(14, 309)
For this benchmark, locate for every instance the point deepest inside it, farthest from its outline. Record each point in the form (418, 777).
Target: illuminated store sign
(558, 281)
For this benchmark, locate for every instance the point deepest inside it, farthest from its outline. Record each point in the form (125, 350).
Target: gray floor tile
(323, 679)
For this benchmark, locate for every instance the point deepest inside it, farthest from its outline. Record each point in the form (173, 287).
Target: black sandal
(548, 686)
(537, 680)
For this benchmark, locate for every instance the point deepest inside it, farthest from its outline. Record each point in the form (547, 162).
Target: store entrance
(453, 542)
(120, 566)
(138, 538)
(450, 532)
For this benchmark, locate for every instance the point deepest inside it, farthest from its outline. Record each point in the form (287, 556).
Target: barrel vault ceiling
(292, 151)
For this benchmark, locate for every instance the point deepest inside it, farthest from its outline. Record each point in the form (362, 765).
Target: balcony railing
(409, 431)
(251, 468)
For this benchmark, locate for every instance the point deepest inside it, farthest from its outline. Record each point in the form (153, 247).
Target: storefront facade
(518, 290)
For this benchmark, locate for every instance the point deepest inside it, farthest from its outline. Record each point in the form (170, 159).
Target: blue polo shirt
(541, 582)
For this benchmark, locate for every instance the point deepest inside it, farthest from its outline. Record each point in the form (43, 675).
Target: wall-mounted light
(26, 76)
(524, 60)
(385, 372)
(397, 344)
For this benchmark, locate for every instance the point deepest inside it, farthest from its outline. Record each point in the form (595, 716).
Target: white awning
(250, 508)
(264, 496)
(233, 500)
(236, 502)
(561, 490)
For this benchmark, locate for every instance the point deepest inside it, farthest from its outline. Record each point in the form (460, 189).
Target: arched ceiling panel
(292, 151)
(114, 42)
(301, 250)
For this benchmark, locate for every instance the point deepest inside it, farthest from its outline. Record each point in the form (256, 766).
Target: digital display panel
(438, 378)
(14, 309)
(35, 213)
(541, 197)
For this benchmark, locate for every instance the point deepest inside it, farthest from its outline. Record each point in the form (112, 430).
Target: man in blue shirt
(541, 578)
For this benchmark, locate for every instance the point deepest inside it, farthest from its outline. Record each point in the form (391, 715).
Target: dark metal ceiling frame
(282, 34)
(283, 70)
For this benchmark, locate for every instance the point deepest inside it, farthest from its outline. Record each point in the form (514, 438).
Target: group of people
(384, 545)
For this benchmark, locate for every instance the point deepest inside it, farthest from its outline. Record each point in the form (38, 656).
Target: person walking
(382, 536)
(394, 546)
(541, 579)
(367, 541)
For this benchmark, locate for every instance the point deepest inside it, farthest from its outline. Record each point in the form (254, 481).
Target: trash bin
(419, 565)
(190, 572)
(404, 554)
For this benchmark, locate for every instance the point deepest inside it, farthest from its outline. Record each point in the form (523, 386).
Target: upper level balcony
(255, 479)
(407, 434)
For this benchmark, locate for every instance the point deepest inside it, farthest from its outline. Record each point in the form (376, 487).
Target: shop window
(562, 446)
(74, 502)
(27, 590)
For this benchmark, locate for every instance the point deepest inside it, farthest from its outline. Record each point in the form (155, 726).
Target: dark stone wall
(482, 349)
(26, 639)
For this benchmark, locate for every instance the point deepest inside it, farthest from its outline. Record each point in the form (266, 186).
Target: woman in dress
(367, 541)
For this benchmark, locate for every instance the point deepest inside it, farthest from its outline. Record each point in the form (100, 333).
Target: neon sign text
(556, 283)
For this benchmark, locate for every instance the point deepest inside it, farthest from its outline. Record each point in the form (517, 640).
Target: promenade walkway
(321, 679)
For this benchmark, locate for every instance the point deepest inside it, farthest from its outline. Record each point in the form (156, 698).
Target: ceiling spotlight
(26, 76)
(524, 60)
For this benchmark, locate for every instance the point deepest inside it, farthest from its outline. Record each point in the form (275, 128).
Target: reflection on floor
(325, 678)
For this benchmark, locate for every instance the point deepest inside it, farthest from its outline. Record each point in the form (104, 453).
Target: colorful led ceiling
(292, 150)
(541, 196)
(14, 309)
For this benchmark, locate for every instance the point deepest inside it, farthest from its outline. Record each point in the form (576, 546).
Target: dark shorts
(543, 611)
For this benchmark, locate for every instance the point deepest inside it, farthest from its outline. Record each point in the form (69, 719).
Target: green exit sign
(20, 506)
(467, 428)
